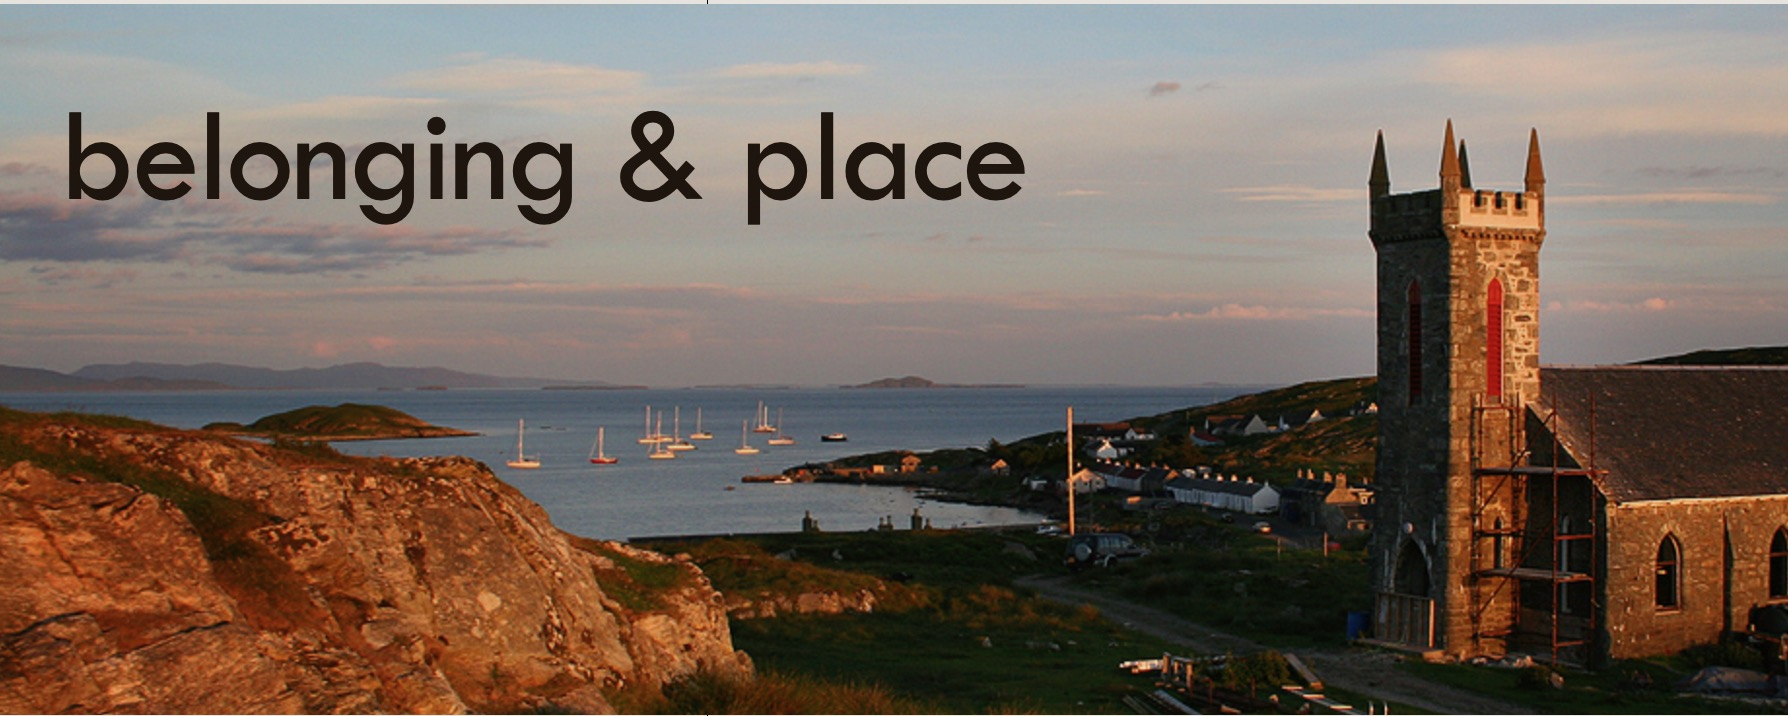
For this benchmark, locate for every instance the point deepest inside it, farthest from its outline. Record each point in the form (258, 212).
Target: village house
(1328, 502)
(1577, 513)
(1191, 487)
(1133, 479)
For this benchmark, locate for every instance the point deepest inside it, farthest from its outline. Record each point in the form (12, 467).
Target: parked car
(1101, 549)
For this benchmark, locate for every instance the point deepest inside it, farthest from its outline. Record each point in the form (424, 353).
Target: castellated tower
(1458, 358)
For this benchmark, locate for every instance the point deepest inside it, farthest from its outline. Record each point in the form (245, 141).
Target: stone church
(1573, 513)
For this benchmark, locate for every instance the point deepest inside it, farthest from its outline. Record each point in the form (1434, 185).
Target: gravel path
(1362, 671)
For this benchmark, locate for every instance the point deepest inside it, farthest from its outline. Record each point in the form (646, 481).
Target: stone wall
(1717, 591)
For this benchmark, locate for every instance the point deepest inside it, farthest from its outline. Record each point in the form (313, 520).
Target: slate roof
(1245, 489)
(1675, 432)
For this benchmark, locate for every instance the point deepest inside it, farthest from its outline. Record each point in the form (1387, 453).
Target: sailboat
(658, 450)
(763, 419)
(649, 437)
(698, 434)
(522, 461)
(744, 447)
(781, 438)
(597, 457)
(678, 444)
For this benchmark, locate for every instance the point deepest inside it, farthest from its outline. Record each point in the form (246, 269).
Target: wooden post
(1069, 480)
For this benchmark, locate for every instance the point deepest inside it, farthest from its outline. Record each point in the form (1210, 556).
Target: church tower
(1458, 360)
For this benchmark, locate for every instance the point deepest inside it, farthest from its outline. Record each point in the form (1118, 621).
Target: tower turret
(1464, 167)
(1380, 183)
(1536, 174)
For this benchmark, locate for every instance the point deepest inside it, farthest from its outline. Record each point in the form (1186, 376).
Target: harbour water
(699, 492)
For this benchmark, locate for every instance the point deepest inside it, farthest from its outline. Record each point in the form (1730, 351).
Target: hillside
(15, 379)
(355, 376)
(167, 571)
(348, 421)
(1776, 355)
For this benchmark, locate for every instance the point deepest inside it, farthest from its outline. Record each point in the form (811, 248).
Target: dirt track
(1368, 672)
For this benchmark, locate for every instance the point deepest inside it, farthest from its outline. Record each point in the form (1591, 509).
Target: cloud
(1235, 311)
(1163, 88)
(58, 275)
(518, 76)
(539, 84)
(1685, 82)
(20, 169)
(799, 70)
(1653, 303)
(1666, 197)
(1702, 172)
(1295, 193)
(131, 228)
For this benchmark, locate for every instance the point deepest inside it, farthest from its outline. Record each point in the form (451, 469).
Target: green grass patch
(1244, 584)
(1627, 687)
(998, 651)
(640, 585)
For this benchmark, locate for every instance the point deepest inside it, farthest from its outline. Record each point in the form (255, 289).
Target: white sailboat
(522, 461)
(649, 437)
(698, 434)
(781, 437)
(763, 419)
(744, 447)
(597, 457)
(658, 446)
(678, 444)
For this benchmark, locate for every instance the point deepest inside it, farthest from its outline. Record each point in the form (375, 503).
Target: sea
(700, 492)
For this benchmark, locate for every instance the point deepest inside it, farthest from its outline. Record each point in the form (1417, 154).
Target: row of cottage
(1327, 501)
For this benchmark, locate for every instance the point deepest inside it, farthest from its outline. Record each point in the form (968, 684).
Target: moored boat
(522, 461)
(597, 457)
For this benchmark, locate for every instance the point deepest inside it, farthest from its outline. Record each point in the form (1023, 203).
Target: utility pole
(1069, 481)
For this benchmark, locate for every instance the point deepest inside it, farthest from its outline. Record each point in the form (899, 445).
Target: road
(1370, 673)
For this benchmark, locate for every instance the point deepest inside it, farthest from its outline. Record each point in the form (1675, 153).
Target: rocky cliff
(155, 570)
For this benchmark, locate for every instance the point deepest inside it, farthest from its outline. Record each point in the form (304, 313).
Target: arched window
(1411, 577)
(1415, 341)
(1493, 339)
(1778, 565)
(1669, 585)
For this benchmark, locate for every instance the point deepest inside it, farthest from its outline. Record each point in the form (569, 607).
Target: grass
(954, 636)
(994, 651)
(640, 585)
(1615, 690)
(1217, 575)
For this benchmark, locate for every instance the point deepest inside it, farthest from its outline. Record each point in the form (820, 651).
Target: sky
(1193, 206)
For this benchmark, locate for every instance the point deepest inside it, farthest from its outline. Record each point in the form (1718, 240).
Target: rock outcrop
(153, 570)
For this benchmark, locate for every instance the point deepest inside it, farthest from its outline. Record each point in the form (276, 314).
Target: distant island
(348, 421)
(15, 379)
(140, 376)
(913, 381)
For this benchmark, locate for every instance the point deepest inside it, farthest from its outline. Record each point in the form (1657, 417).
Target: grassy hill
(348, 421)
(1776, 355)
(1339, 443)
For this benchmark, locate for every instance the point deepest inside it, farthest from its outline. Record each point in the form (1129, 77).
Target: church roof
(1674, 432)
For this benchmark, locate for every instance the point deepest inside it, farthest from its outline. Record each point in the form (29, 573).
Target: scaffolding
(1503, 485)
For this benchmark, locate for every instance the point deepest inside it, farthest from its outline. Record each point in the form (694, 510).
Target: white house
(1233, 494)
